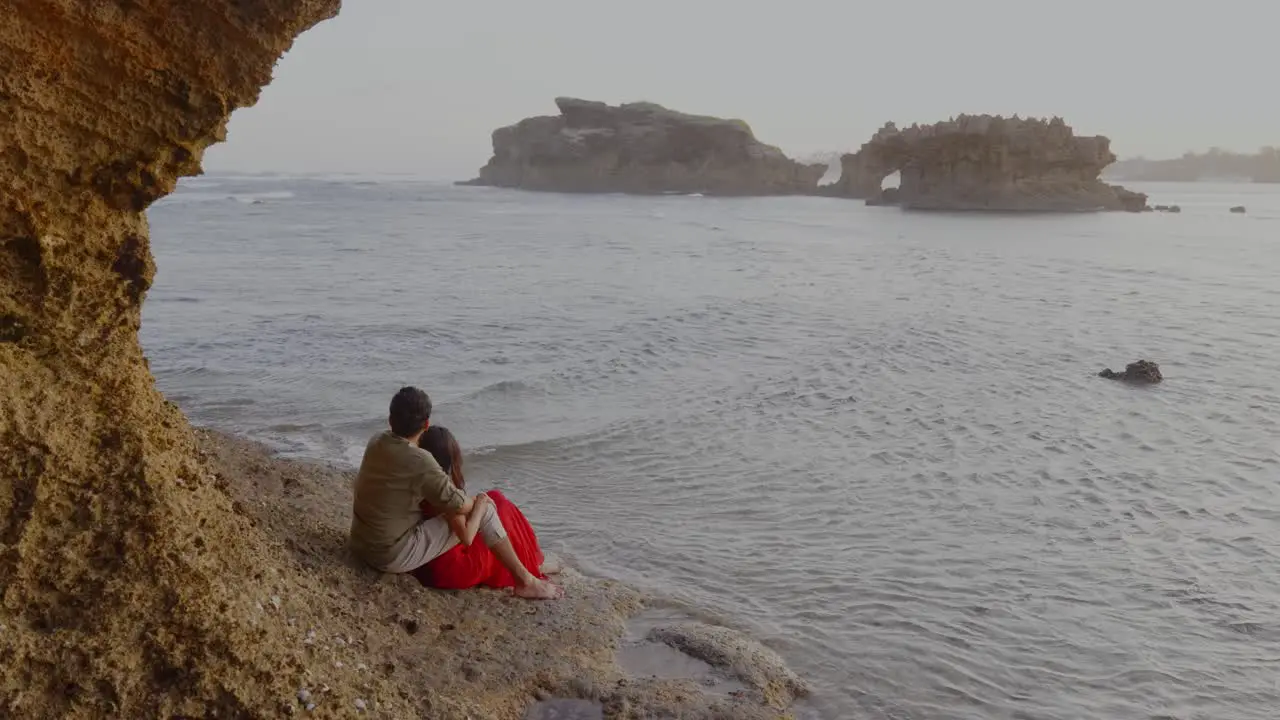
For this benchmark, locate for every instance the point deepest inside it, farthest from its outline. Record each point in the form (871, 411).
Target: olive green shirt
(395, 477)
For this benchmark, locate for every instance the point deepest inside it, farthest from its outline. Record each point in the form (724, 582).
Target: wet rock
(1140, 372)
(640, 148)
(738, 655)
(1239, 209)
(564, 709)
(985, 162)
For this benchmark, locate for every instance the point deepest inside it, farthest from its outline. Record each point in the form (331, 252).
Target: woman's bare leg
(495, 536)
(527, 586)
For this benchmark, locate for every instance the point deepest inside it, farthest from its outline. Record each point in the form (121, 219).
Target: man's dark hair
(410, 408)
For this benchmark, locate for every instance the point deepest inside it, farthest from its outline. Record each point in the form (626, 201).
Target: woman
(469, 563)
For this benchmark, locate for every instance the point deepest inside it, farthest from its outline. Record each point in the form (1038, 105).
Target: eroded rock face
(1143, 372)
(125, 573)
(640, 148)
(984, 162)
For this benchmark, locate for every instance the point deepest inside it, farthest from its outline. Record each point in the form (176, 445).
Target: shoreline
(478, 653)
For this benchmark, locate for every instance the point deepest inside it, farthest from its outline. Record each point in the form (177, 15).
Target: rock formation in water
(640, 148)
(1141, 372)
(1238, 209)
(984, 162)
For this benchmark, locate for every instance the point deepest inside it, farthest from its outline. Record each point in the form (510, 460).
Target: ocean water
(874, 439)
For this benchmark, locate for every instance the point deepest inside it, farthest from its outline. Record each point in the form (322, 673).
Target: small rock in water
(1239, 209)
(1142, 371)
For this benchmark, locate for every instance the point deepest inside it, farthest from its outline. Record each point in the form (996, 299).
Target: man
(387, 527)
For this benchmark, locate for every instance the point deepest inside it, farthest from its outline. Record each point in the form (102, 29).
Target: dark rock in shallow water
(1142, 371)
(1239, 209)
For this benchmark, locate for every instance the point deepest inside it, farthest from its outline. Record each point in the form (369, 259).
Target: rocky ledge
(985, 162)
(640, 148)
(416, 652)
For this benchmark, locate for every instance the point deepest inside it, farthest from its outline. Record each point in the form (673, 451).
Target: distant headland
(969, 162)
(1215, 164)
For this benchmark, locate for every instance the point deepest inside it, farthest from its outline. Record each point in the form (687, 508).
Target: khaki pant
(433, 538)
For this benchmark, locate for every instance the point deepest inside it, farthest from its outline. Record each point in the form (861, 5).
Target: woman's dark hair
(444, 447)
(410, 410)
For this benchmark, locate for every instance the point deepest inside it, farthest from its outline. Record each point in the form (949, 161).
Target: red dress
(463, 567)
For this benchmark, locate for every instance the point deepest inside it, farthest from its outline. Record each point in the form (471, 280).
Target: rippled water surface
(874, 439)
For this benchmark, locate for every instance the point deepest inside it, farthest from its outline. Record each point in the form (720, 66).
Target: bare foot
(539, 590)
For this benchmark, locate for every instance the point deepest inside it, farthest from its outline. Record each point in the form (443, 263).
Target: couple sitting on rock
(412, 514)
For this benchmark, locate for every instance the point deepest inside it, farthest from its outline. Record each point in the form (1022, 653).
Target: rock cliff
(640, 148)
(984, 162)
(125, 572)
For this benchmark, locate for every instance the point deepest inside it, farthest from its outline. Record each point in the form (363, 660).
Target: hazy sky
(416, 86)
